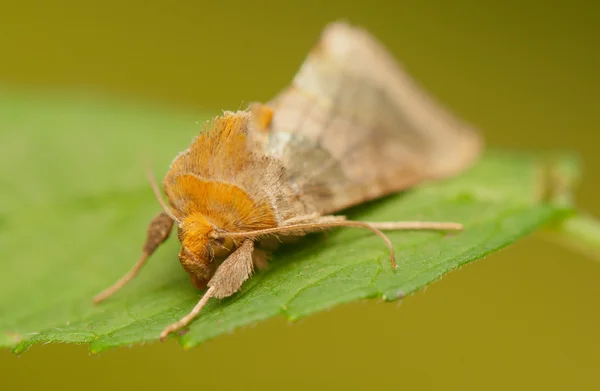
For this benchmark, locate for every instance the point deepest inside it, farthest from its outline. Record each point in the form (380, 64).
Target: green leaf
(75, 204)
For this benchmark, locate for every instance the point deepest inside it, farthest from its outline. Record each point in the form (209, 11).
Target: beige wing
(354, 126)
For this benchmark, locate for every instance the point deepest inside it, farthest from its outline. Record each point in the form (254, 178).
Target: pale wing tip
(342, 39)
(456, 144)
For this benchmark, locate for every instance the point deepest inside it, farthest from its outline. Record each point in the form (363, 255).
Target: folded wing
(354, 126)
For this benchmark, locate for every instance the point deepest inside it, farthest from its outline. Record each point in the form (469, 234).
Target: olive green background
(526, 73)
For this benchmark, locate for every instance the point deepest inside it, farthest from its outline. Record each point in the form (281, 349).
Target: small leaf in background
(75, 205)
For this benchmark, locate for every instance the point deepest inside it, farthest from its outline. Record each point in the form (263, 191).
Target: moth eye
(220, 241)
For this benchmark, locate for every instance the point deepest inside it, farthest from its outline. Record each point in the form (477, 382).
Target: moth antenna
(105, 294)
(374, 227)
(296, 227)
(416, 225)
(158, 231)
(159, 196)
(181, 323)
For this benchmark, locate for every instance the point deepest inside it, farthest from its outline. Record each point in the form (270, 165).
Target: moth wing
(354, 126)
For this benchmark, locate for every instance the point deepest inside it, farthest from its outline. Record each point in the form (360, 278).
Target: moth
(353, 126)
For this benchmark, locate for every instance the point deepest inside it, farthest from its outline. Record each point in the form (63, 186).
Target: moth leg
(158, 231)
(331, 221)
(228, 279)
(409, 226)
(260, 258)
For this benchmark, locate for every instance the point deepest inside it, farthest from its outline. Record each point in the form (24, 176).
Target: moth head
(200, 245)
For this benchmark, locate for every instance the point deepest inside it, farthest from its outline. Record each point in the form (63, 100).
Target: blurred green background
(525, 72)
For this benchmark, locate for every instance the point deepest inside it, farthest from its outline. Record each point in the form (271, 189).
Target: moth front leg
(159, 230)
(228, 279)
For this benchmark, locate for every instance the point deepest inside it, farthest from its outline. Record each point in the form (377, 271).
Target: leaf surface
(75, 205)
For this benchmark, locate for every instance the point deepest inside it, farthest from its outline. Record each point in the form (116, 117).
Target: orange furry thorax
(216, 206)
